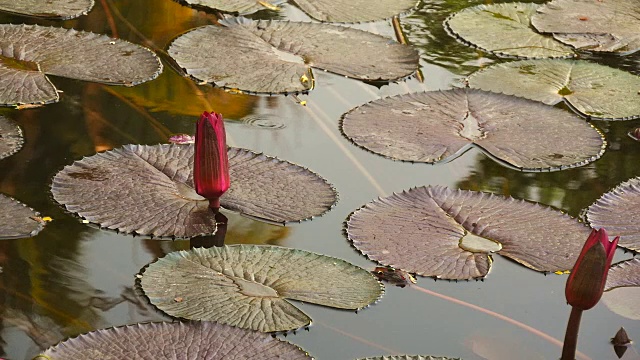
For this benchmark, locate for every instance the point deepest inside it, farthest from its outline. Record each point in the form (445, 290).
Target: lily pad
(426, 230)
(17, 220)
(505, 29)
(55, 9)
(277, 56)
(31, 51)
(617, 211)
(344, 11)
(595, 91)
(148, 190)
(247, 286)
(10, 137)
(408, 357)
(438, 126)
(178, 341)
(622, 274)
(610, 26)
(623, 301)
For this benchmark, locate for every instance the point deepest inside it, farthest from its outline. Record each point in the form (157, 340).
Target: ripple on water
(264, 121)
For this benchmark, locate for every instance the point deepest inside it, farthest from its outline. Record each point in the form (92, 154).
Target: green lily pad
(409, 357)
(10, 137)
(17, 220)
(609, 26)
(56, 9)
(425, 230)
(66, 53)
(343, 11)
(505, 29)
(617, 211)
(178, 341)
(148, 190)
(277, 56)
(437, 126)
(595, 91)
(247, 286)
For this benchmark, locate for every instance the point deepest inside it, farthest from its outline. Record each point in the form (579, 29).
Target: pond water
(73, 278)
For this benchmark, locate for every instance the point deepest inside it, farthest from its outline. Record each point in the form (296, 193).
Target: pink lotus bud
(181, 139)
(589, 275)
(211, 162)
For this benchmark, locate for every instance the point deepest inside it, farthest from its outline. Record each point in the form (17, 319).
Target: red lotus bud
(211, 162)
(589, 275)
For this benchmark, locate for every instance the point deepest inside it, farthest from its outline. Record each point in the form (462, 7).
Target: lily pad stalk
(211, 162)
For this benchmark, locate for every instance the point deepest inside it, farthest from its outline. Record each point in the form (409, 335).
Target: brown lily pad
(11, 138)
(450, 234)
(17, 220)
(437, 126)
(148, 190)
(56, 9)
(622, 274)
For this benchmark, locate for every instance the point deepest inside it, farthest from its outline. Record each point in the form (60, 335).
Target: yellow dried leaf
(268, 5)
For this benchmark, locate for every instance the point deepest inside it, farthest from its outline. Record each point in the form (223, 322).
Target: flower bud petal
(211, 162)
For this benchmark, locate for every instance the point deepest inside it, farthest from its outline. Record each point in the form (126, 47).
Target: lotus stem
(571, 336)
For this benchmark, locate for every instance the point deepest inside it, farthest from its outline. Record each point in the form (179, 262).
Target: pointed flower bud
(211, 162)
(589, 275)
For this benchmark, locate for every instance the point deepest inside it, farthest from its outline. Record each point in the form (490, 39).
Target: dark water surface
(73, 278)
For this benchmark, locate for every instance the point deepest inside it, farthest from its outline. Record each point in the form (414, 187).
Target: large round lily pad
(594, 90)
(57, 9)
(440, 125)
(277, 56)
(10, 137)
(149, 190)
(324, 10)
(617, 211)
(248, 286)
(18, 220)
(610, 26)
(176, 341)
(31, 51)
(449, 234)
(505, 29)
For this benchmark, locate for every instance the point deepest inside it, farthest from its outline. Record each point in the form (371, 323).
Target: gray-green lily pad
(425, 230)
(409, 357)
(609, 26)
(11, 138)
(66, 53)
(247, 286)
(342, 11)
(17, 220)
(148, 190)
(56, 9)
(617, 211)
(277, 56)
(177, 341)
(595, 91)
(623, 274)
(505, 29)
(438, 126)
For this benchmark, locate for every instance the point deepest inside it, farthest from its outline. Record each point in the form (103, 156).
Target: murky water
(73, 278)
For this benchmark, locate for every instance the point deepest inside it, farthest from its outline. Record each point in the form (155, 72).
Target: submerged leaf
(505, 29)
(17, 220)
(10, 137)
(610, 26)
(426, 230)
(440, 125)
(248, 286)
(149, 190)
(595, 91)
(624, 301)
(57, 9)
(277, 56)
(617, 211)
(177, 341)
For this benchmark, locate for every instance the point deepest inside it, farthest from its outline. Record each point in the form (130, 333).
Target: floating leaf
(57, 9)
(10, 137)
(611, 26)
(18, 220)
(277, 56)
(505, 29)
(149, 190)
(408, 357)
(594, 90)
(440, 125)
(626, 273)
(624, 301)
(178, 341)
(324, 10)
(435, 231)
(247, 285)
(67, 53)
(617, 211)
